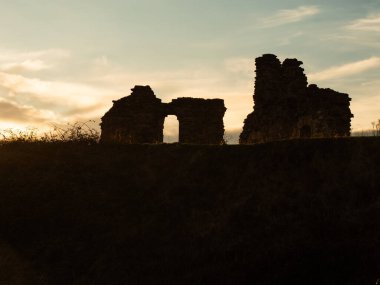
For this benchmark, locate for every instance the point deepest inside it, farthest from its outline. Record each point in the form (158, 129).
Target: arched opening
(171, 129)
(305, 132)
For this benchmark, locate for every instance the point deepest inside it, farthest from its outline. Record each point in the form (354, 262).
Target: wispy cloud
(287, 16)
(38, 101)
(346, 69)
(23, 114)
(27, 65)
(64, 93)
(48, 54)
(19, 62)
(288, 39)
(370, 23)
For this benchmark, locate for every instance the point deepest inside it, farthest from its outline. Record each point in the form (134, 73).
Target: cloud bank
(287, 16)
(27, 99)
(20, 114)
(346, 69)
(371, 23)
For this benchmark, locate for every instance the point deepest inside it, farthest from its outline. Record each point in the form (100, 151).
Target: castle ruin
(286, 107)
(139, 118)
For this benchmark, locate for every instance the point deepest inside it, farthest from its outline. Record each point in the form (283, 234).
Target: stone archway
(140, 118)
(200, 120)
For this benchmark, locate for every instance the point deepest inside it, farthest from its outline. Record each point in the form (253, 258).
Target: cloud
(10, 111)
(346, 69)
(12, 56)
(64, 93)
(27, 65)
(287, 16)
(66, 101)
(19, 62)
(289, 38)
(71, 101)
(371, 23)
(230, 83)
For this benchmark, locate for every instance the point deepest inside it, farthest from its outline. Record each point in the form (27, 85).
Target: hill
(289, 212)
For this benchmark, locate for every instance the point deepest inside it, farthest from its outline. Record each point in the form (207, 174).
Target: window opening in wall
(171, 129)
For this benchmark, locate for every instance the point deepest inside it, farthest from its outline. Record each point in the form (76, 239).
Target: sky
(64, 61)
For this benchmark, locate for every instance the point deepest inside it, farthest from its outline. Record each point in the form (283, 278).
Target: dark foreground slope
(295, 212)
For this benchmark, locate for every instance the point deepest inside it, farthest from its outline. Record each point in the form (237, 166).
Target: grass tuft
(78, 132)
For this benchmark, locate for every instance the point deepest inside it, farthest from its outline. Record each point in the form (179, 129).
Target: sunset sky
(66, 60)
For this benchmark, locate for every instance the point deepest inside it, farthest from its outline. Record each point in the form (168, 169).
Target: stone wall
(200, 120)
(139, 118)
(286, 107)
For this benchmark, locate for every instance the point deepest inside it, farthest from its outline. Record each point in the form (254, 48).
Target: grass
(78, 132)
(290, 212)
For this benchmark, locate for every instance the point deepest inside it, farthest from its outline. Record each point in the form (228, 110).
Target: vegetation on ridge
(80, 132)
(291, 212)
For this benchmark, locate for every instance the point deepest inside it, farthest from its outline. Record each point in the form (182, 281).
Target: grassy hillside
(292, 212)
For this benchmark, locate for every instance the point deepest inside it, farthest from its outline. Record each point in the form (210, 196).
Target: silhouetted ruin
(286, 107)
(139, 118)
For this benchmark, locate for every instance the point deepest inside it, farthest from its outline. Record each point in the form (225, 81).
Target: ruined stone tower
(139, 118)
(286, 107)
